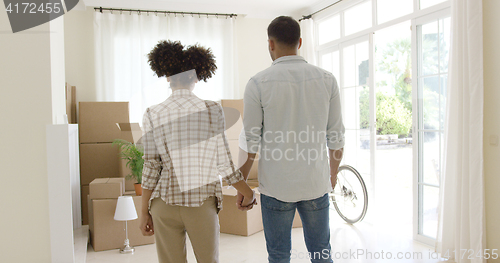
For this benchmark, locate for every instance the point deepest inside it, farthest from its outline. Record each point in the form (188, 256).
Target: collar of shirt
(182, 93)
(289, 59)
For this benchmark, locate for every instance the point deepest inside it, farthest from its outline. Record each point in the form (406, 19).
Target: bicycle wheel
(350, 197)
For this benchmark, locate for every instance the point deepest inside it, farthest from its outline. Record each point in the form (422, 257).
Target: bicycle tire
(365, 192)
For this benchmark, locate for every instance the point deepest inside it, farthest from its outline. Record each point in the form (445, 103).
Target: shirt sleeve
(335, 127)
(225, 164)
(152, 160)
(253, 118)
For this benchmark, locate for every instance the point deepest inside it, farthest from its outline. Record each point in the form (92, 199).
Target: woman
(185, 156)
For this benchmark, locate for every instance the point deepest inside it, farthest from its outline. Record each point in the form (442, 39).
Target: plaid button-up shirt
(186, 153)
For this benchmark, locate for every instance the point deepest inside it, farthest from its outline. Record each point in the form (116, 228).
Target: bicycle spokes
(350, 195)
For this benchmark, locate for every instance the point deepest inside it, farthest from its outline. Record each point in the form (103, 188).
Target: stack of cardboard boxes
(232, 220)
(100, 123)
(105, 232)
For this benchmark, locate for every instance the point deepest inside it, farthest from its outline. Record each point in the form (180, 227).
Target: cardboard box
(105, 188)
(131, 132)
(123, 171)
(71, 103)
(253, 182)
(97, 121)
(296, 220)
(98, 160)
(233, 132)
(234, 148)
(106, 233)
(235, 104)
(85, 204)
(236, 222)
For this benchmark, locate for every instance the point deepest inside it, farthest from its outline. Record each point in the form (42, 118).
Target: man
(292, 111)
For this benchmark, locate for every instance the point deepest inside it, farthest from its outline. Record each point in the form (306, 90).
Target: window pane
(430, 215)
(444, 43)
(349, 108)
(363, 156)
(431, 98)
(326, 62)
(362, 65)
(429, 42)
(391, 9)
(429, 3)
(336, 66)
(431, 166)
(329, 29)
(349, 67)
(349, 156)
(364, 108)
(358, 18)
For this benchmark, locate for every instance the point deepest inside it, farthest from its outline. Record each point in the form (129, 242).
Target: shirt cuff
(150, 178)
(335, 145)
(234, 177)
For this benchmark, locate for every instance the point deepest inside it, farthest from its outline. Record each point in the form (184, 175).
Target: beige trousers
(171, 224)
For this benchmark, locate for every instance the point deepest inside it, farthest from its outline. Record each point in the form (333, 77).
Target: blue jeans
(277, 217)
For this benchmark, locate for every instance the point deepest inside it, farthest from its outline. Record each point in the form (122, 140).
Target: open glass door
(432, 34)
(350, 64)
(357, 107)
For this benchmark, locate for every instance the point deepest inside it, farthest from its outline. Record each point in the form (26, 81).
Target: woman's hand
(146, 225)
(248, 203)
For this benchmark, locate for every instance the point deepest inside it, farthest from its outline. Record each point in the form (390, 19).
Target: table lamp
(125, 210)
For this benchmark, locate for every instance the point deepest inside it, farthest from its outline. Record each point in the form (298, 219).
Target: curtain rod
(100, 9)
(310, 16)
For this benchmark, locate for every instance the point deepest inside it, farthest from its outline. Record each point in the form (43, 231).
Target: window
(433, 51)
(428, 3)
(329, 29)
(371, 56)
(391, 9)
(358, 17)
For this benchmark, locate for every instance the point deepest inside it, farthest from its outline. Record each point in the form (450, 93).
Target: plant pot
(138, 189)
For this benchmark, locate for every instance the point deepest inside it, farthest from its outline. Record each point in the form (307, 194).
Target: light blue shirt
(292, 111)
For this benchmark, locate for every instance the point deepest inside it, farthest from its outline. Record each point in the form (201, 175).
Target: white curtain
(307, 50)
(462, 202)
(123, 40)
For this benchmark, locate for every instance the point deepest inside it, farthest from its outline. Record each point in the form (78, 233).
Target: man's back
(294, 108)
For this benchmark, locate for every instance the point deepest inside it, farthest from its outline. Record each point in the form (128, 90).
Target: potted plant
(132, 153)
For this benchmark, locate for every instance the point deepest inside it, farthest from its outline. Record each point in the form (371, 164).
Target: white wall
(79, 53)
(491, 20)
(26, 108)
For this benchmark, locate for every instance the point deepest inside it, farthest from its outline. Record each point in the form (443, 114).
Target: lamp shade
(125, 209)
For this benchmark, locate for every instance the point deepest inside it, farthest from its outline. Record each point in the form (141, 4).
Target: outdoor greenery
(396, 61)
(394, 111)
(392, 116)
(133, 155)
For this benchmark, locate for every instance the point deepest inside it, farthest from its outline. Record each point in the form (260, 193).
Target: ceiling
(249, 8)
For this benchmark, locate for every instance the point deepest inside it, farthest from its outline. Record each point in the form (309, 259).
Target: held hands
(146, 225)
(244, 203)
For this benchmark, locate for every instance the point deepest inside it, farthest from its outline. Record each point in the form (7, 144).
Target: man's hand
(146, 225)
(245, 204)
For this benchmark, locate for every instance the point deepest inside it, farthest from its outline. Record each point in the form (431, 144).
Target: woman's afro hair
(169, 58)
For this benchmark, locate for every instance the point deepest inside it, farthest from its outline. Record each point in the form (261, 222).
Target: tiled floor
(362, 242)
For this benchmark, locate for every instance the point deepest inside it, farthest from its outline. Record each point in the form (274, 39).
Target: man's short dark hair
(285, 30)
